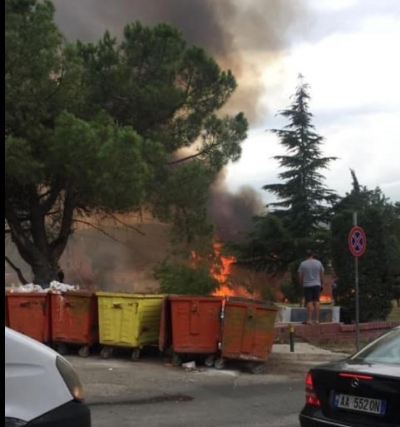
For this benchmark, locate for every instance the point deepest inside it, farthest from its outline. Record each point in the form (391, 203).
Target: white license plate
(360, 404)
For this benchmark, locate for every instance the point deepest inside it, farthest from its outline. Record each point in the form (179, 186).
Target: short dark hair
(309, 252)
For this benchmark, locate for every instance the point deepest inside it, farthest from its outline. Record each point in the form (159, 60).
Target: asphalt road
(272, 405)
(151, 393)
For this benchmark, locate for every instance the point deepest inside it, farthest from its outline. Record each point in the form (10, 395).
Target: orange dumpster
(248, 332)
(191, 325)
(74, 321)
(29, 313)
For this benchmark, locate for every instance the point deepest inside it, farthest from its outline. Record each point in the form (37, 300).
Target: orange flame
(222, 273)
(325, 299)
(221, 270)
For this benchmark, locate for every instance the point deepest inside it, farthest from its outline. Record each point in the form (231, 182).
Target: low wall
(299, 314)
(332, 332)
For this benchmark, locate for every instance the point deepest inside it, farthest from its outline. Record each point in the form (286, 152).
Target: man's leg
(317, 311)
(316, 294)
(310, 311)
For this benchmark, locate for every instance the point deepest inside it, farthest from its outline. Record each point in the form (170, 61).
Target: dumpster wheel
(258, 368)
(106, 352)
(84, 351)
(219, 363)
(209, 361)
(176, 360)
(135, 354)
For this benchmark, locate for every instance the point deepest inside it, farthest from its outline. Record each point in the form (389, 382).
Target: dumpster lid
(128, 295)
(79, 293)
(251, 301)
(196, 297)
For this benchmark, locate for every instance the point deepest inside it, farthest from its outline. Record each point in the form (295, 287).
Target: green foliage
(291, 291)
(303, 200)
(155, 83)
(377, 265)
(186, 208)
(300, 218)
(95, 128)
(268, 247)
(268, 294)
(181, 279)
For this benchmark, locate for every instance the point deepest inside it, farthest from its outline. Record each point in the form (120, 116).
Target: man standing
(311, 277)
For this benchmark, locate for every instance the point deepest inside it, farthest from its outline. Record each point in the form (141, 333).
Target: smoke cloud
(244, 36)
(233, 213)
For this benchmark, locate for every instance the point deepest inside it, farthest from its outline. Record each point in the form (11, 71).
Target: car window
(385, 349)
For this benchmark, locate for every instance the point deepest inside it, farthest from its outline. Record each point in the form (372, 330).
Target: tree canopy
(299, 218)
(379, 270)
(96, 127)
(304, 201)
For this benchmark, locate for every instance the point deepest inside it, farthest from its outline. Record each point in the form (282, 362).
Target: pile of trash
(55, 287)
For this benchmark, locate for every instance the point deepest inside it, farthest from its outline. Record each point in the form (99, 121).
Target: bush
(268, 294)
(181, 279)
(292, 292)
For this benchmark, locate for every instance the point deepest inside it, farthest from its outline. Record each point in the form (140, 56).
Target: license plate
(359, 404)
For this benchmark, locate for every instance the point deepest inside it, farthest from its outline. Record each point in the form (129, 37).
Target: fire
(223, 272)
(325, 299)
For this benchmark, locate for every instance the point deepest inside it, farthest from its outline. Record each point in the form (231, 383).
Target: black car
(362, 390)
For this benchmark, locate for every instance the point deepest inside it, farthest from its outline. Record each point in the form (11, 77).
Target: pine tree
(303, 200)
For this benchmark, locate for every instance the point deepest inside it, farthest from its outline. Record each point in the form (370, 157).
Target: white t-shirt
(310, 270)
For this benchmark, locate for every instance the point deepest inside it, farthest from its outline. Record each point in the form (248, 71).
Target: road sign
(357, 241)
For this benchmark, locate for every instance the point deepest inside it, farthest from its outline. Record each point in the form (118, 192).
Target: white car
(42, 389)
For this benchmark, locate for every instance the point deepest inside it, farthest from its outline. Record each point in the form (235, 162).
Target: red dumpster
(248, 332)
(29, 313)
(74, 321)
(191, 325)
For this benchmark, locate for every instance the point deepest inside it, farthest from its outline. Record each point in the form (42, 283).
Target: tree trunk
(44, 272)
(32, 240)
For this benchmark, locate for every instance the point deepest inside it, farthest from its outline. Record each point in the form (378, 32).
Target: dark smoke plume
(233, 212)
(243, 35)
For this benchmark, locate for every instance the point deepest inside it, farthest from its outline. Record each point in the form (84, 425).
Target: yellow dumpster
(128, 320)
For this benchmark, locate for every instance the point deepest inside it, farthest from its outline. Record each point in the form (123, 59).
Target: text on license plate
(361, 404)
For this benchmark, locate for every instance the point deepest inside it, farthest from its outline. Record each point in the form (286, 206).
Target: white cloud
(353, 74)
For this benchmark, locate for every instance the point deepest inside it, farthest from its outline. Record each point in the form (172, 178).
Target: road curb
(306, 357)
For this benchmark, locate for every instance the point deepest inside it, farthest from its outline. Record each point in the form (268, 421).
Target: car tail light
(311, 397)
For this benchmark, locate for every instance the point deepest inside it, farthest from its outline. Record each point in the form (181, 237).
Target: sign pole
(357, 291)
(357, 245)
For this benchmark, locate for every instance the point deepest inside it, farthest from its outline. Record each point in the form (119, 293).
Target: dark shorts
(311, 293)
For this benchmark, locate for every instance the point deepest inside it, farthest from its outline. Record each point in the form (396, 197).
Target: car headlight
(71, 378)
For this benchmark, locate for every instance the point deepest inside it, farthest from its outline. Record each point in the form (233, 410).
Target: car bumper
(310, 421)
(71, 414)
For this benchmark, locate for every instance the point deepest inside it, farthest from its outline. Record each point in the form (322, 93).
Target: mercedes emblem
(355, 382)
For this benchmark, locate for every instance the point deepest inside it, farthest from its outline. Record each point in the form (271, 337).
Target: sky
(348, 52)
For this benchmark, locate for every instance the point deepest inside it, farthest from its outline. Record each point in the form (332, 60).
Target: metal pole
(357, 292)
(291, 338)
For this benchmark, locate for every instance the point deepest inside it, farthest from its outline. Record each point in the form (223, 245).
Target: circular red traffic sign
(357, 241)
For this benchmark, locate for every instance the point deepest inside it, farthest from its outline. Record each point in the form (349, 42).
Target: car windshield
(385, 349)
